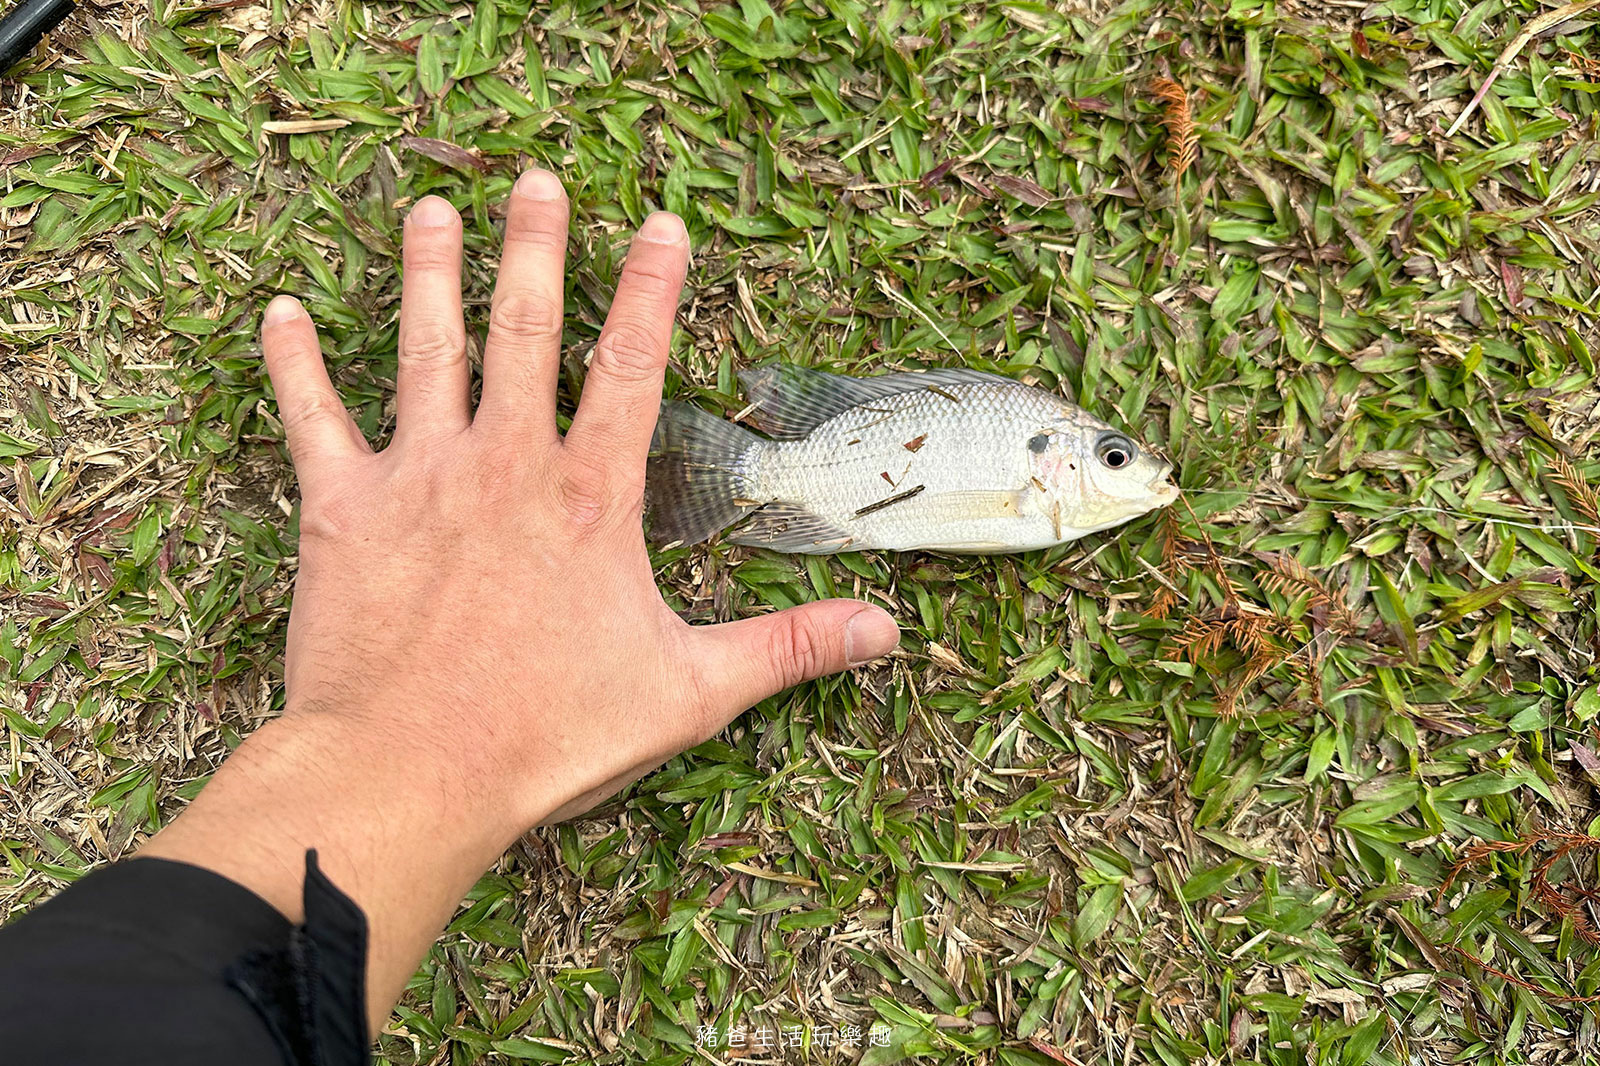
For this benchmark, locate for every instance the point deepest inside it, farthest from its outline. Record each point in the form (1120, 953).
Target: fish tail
(700, 476)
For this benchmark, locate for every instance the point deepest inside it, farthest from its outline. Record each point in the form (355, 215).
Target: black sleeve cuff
(153, 961)
(312, 991)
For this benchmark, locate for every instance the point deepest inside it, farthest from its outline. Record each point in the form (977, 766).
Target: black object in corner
(149, 962)
(25, 24)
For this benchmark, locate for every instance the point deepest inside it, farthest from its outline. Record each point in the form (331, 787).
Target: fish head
(1095, 476)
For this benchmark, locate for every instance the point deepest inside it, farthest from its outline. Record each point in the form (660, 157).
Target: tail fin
(698, 477)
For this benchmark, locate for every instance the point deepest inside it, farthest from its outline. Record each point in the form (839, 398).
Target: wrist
(405, 837)
(422, 781)
(373, 809)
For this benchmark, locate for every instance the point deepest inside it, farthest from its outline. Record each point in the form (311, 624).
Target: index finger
(622, 393)
(315, 421)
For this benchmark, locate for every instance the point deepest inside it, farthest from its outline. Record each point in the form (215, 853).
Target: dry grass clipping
(1543, 24)
(1262, 638)
(1589, 68)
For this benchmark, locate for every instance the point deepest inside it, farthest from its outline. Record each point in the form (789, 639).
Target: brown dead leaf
(451, 155)
(1029, 192)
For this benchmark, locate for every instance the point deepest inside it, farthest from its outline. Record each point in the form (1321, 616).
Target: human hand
(477, 644)
(480, 589)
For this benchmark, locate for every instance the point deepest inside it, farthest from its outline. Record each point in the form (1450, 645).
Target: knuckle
(655, 275)
(329, 515)
(430, 342)
(496, 473)
(312, 409)
(628, 353)
(427, 482)
(799, 651)
(624, 497)
(431, 255)
(320, 522)
(524, 316)
(422, 465)
(539, 236)
(585, 493)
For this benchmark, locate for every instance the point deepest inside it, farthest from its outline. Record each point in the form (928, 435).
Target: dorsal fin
(790, 401)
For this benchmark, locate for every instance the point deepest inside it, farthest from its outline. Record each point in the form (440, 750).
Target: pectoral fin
(985, 503)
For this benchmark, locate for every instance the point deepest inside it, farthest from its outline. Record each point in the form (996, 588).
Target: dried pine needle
(1183, 140)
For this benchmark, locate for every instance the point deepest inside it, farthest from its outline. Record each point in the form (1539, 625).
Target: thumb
(749, 660)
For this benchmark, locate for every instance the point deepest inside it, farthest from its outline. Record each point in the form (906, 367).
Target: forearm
(402, 836)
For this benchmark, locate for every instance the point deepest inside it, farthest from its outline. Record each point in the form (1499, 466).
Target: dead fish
(943, 460)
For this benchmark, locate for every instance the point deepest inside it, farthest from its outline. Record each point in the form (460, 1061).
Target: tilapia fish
(943, 460)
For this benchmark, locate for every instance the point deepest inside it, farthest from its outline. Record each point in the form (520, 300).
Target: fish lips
(1163, 488)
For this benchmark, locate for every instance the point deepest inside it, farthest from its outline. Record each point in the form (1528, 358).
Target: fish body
(943, 460)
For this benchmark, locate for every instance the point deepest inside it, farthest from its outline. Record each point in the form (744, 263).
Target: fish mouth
(1162, 487)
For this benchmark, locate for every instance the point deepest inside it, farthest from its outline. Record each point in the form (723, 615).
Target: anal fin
(788, 527)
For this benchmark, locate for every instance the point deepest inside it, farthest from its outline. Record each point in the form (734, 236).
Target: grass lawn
(1190, 791)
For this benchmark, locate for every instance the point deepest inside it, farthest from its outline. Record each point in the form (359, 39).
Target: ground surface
(1188, 792)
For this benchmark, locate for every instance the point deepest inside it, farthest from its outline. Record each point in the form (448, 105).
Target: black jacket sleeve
(155, 962)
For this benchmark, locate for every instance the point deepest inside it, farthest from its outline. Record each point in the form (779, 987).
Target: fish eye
(1038, 443)
(1115, 450)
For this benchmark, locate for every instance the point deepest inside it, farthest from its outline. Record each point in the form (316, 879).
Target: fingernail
(869, 635)
(539, 185)
(281, 309)
(663, 227)
(432, 212)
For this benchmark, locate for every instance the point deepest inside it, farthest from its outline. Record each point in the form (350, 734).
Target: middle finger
(431, 389)
(522, 357)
